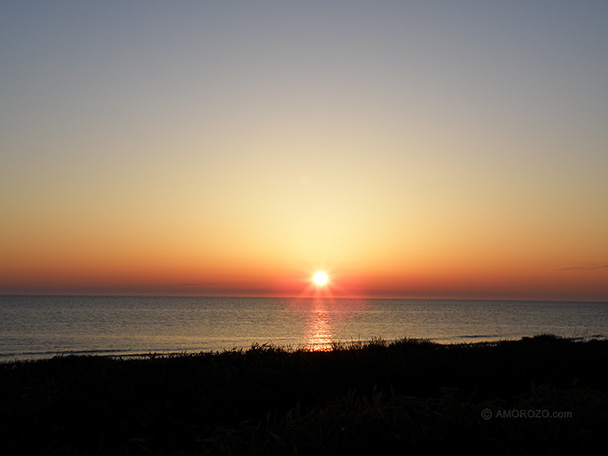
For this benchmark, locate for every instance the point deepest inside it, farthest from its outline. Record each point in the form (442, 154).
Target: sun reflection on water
(319, 333)
(327, 320)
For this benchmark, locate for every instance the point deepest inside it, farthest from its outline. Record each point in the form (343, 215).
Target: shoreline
(121, 354)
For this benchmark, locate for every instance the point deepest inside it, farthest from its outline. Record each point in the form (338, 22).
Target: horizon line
(325, 297)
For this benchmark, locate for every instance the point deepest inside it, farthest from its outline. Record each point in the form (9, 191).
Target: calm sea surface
(43, 326)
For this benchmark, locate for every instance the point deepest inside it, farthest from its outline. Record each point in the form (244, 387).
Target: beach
(540, 395)
(303, 228)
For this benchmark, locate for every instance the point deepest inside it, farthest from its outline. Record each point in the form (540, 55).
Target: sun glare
(320, 278)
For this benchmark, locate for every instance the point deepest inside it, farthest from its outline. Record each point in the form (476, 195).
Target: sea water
(43, 326)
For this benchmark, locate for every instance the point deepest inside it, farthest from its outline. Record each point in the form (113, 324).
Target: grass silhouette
(546, 395)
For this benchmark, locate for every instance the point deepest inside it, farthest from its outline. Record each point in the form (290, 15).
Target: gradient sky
(452, 149)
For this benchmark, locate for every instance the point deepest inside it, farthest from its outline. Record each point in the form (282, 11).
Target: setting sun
(320, 278)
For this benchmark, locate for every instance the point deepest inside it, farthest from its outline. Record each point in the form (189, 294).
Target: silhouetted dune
(541, 395)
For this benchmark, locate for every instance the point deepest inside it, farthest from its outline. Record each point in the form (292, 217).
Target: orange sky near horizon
(409, 150)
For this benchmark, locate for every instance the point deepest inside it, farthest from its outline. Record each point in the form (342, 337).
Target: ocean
(33, 327)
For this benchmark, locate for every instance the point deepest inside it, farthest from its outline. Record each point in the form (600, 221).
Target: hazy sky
(418, 149)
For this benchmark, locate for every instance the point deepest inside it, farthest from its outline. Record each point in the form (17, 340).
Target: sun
(320, 278)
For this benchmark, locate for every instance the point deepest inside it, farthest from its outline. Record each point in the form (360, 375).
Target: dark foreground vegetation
(541, 395)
